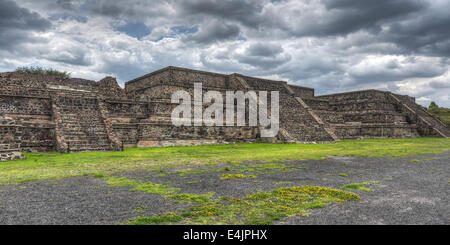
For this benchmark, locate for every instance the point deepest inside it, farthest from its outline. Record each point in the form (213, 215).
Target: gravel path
(408, 192)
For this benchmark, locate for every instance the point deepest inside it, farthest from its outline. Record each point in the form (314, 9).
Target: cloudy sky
(330, 45)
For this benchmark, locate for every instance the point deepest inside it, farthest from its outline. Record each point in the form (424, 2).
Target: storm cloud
(330, 45)
(17, 24)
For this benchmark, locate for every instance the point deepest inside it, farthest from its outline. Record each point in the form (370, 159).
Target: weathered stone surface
(46, 113)
(11, 156)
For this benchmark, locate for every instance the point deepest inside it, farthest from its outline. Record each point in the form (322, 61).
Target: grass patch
(193, 182)
(262, 208)
(424, 159)
(170, 217)
(360, 186)
(241, 168)
(44, 166)
(440, 112)
(196, 198)
(148, 187)
(282, 182)
(236, 176)
(189, 171)
(140, 209)
(340, 174)
(99, 175)
(154, 188)
(116, 182)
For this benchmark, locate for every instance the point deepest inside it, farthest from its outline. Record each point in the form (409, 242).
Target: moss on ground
(237, 176)
(262, 208)
(140, 209)
(242, 170)
(340, 174)
(423, 159)
(148, 187)
(360, 186)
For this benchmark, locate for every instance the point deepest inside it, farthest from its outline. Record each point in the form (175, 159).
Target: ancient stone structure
(46, 113)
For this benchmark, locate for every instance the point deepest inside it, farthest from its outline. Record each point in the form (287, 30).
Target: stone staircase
(80, 126)
(298, 123)
(417, 113)
(323, 132)
(301, 123)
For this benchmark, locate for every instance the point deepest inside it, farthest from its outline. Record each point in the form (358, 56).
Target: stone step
(88, 141)
(84, 128)
(78, 146)
(423, 115)
(89, 149)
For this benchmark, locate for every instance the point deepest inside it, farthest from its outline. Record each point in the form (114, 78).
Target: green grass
(140, 209)
(442, 113)
(240, 169)
(195, 198)
(193, 182)
(148, 187)
(41, 166)
(282, 182)
(424, 159)
(262, 208)
(169, 217)
(359, 186)
(340, 174)
(237, 176)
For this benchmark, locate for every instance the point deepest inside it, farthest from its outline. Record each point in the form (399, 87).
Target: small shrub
(41, 71)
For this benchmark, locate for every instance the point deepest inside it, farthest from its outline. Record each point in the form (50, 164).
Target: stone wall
(365, 114)
(47, 113)
(302, 92)
(10, 135)
(11, 156)
(81, 125)
(32, 118)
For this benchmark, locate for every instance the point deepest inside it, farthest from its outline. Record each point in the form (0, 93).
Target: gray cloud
(346, 16)
(74, 57)
(65, 4)
(263, 55)
(439, 84)
(16, 23)
(428, 33)
(128, 9)
(264, 49)
(215, 31)
(264, 62)
(331, 45)
(246, 12)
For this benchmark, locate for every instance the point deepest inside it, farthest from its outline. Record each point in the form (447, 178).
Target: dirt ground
(413, 190)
